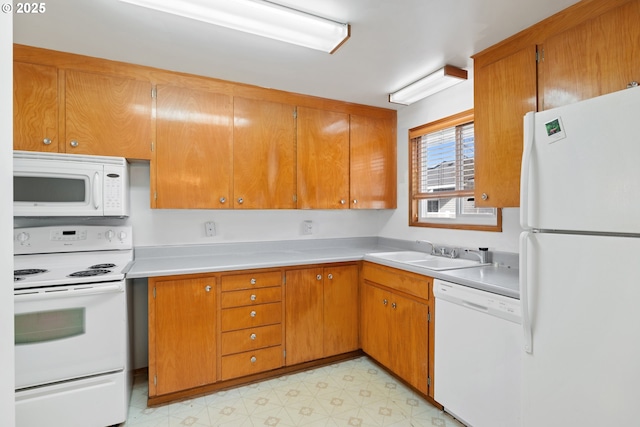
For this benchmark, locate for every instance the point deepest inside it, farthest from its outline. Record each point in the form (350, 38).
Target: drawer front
(251, 281)
(251, 316)
(251, 297)
(251, 339)
(411, 283)
(251, 362)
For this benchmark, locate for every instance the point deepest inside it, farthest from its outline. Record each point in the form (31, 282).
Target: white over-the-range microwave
(51, 184)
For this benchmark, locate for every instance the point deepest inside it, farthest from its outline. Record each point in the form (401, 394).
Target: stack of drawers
(251, 322)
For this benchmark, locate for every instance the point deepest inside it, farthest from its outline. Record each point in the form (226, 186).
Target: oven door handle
(69, 292)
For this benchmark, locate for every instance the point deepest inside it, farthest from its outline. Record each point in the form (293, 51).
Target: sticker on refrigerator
(555, 130)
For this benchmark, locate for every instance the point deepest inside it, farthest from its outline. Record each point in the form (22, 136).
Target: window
(442, 177)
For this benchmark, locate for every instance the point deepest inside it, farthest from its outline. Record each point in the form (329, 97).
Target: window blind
(443, 163)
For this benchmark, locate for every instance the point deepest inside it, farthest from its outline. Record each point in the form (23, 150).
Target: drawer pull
(319, 277)
(385, 302)
(253, 297)
(253, 359)
(207, 288)
(253, 281)
(253, 336)
(330, 277)
(253, 313)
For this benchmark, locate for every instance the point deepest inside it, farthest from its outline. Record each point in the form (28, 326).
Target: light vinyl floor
(351, 393)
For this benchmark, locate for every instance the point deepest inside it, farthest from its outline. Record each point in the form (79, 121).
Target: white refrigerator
(580, 264)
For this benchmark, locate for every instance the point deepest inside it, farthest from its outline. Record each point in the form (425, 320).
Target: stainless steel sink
(425, 260)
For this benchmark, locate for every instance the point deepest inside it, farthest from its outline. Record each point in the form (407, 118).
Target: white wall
(451, 101)
(7, 416)
(177, 226)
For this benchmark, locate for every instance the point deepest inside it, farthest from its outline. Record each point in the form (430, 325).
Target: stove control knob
(22, 237)
(122, 235)
(109, 234)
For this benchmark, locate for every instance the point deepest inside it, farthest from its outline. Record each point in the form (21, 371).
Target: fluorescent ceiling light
(426, 86)
(259, 17)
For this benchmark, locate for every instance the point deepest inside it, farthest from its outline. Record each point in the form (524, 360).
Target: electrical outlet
(307, 227)
(210, 228)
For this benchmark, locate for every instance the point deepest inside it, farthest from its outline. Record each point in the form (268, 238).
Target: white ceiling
(393, 42)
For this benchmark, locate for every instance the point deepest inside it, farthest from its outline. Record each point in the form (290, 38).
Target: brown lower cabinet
(321, 312)
(395, 327)
(222, 329)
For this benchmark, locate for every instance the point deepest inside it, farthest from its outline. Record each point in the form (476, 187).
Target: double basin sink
(425, 260)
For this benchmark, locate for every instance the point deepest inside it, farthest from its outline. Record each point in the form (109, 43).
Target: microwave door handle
(97, 191)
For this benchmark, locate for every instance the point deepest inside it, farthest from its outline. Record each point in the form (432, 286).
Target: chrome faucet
(481, 254)
(433, 247)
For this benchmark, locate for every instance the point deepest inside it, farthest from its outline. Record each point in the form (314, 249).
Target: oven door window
(49, 325)
(44, 189)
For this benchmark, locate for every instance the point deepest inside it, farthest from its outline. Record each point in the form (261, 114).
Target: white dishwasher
(478, 340)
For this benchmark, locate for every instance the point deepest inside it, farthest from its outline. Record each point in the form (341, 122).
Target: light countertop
(500, 277)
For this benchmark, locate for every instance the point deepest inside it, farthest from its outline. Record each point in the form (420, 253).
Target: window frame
(414, 218)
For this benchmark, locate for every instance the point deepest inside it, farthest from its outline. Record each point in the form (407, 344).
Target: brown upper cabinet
(35, 107)
(373, 163)
(323, 159)
(194, 149)
(91, 114)
(264, 139)
(212, 144)
(107, 115)
(586, 50)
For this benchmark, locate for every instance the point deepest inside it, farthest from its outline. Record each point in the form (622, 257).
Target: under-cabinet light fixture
(259, 17)
(427, 86)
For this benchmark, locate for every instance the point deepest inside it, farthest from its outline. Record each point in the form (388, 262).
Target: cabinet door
(35, 107)
(303, 315)
(263, 155)
(373, 163)
(194, 149)
(409, 341)
(340, 309)
(323, 159)
(107, 115)
(600, 56)
(504, 91)
(375, 327)
(182, 331)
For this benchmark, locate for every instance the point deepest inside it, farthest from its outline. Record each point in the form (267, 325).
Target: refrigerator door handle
(524, 292)
(529, 122)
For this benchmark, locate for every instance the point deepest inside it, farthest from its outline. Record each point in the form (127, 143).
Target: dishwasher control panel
(475, 299)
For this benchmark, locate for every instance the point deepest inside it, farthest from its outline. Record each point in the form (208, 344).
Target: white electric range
(72, 325)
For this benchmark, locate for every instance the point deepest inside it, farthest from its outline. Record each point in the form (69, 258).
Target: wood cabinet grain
(321, 312)
(35, 107)
(194, 149)
(182, 333)
(263, 155)
(322, 159)
(395, 323)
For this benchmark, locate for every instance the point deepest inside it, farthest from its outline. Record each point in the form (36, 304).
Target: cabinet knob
(253, 281)
(240, 200)
(253, 336)
(207, 288)
(319, 277)
(253, 359)
(223, 199)
(393, 305)
(253, 314)
(46, 141)
(355, 201)
(385, 302)
(253, 297)
(485, 196)
(632, 84)
(74, 143)
(343, 201)
(330, 276)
